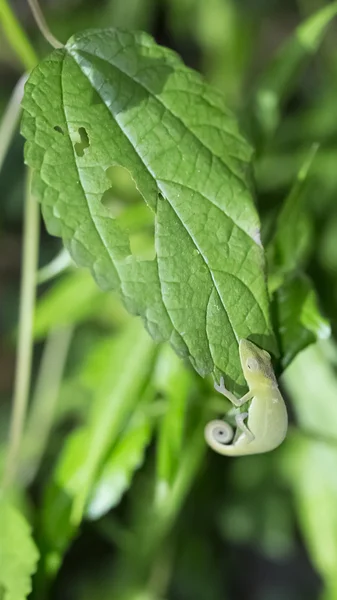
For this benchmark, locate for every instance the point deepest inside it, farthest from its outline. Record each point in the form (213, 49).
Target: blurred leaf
(281, 77)
(18, 553)
(196, 575)
(225, 35)
(126, 456)
(120, 99)
(70, 16)
(315, 121)
(291, 241)
(311, 383)
(257, 512)
(327, 247)
(153, 520)
(297, 316)
(129, 362)
(72, 299)
(311, 467)
(330, 590)
(119, 392)
(310, 458)
(173, 380)
(278, 171)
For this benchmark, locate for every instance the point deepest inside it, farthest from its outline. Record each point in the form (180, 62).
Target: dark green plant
(175, 210)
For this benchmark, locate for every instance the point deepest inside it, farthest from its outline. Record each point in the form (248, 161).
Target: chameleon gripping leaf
(267, 419)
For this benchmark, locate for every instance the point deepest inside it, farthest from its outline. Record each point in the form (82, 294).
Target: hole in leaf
(122, 191)
(59, 129)
(83, 144)
(126, 204)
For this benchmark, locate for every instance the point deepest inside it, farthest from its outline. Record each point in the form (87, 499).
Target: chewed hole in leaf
(123, 187)
(126, 204)
(142, 246)
(83, 144)
(59, 129)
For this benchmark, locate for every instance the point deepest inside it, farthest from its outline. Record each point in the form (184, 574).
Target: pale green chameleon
(267, 419)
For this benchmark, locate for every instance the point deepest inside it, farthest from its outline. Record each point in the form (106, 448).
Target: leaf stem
(10, 118)
(42, 24)
(44, 400)
(25, 339)
(17, 37)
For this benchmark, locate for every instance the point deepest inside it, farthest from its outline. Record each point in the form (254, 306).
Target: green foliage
(18, 553)
(124, 365)
(312, 463)
(291, 242)
(145, 174)
(298, 318)
(278, 81)
(119, 467)
(174, 383)
(73, 299)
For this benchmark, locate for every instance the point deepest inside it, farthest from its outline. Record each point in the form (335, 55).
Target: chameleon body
(267, 419)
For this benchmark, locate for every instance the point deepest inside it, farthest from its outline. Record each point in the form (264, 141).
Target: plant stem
(42, 24)
(25, 340)
(10, 118)
(44, 401)
(17, 37)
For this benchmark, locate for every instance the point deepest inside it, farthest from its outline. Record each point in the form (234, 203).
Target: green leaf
(278, 82)
(310, 455)
(126, 456)
(18, 554)
(116, 98)
(291, 241)
(297, 316)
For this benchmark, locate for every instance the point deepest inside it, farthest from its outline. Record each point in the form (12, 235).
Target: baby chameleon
(267, 415)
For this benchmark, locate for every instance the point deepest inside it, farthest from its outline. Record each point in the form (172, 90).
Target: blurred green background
(257, 528)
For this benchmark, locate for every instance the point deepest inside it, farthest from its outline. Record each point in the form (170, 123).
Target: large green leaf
(18, 554)
(115, 98)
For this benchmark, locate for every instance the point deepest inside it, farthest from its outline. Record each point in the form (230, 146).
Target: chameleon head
(256, 365)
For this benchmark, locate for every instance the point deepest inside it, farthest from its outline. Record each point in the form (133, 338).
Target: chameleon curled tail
(218, 432)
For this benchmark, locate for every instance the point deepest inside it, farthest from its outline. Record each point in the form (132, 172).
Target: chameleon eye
(252, 364)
